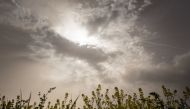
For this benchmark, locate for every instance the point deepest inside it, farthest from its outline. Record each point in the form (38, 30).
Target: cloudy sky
(77, 44)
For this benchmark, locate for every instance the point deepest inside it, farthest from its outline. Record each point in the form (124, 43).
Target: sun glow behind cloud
(114, 40)
(94, 44)
(73, 30)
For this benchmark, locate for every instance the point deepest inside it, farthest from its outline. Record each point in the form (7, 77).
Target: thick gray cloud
(67, 48)
(14, 45)
(175, 74)
(169, 20)
(169, 44)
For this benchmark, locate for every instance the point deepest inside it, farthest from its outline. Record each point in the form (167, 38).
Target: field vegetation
(103, 99)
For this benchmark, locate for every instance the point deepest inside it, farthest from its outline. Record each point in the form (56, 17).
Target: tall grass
(103, 99)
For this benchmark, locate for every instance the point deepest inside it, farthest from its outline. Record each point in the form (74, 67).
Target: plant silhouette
(100, 99)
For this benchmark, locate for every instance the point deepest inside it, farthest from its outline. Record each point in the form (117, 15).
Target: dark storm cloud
(6, 7)
(14, 42)
(177, 73)
(14, 38)
(170, 20)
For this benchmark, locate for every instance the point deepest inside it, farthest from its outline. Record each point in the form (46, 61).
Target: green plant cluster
(100, 99)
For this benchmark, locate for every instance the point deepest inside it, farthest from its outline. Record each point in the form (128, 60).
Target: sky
(75, 45)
